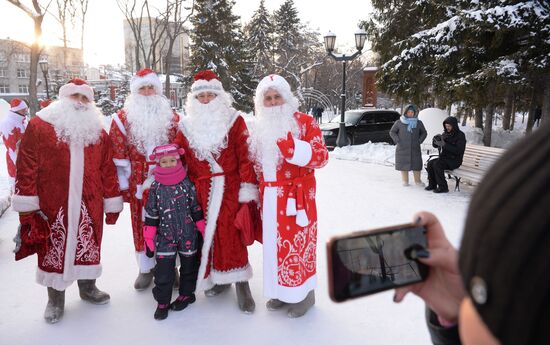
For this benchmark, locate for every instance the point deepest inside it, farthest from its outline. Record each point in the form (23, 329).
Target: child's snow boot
(182, 302)
(244, 297)
(162, 311)
(56, 305)
(300, 308)
(90, 293)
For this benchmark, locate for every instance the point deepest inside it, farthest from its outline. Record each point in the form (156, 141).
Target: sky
(104, 41)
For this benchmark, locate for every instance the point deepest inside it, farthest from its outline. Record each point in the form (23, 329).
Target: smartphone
(366, 262)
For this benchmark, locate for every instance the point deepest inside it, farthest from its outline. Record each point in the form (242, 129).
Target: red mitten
(111, 218)
(201, 225)
(149, 234)
(286, 146)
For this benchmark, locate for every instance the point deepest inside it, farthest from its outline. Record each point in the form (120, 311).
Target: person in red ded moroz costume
(12, 129)
(287, 146)
(214, 136)
(145, 122)
(66, 181)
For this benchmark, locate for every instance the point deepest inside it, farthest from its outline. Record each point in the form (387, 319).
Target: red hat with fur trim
(206, 81)
(74, 86)
(44, 103)
(144, 77)
(17, 104)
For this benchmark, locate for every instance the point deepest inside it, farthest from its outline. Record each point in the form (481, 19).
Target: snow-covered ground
(351, 195)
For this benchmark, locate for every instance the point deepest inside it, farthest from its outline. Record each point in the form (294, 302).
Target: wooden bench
(477, 160)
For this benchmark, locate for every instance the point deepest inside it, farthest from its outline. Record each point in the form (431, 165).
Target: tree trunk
(513, 122)
(478, 114)
(167, 64)
(465, 118)
(35, 55)
(535, 96)
(508, 105)
(487, 131)
(546, 99)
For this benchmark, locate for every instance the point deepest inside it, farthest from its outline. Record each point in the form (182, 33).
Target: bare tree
(65, 15)
(83, 7)
(37, 15)
(174, 26)
(149, 43)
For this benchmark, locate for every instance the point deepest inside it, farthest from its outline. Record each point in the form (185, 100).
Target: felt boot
(216, 290)
(143, 280)
(56, 305)
(90, 293)
(244, 297)
(300, 308)
(274, 304)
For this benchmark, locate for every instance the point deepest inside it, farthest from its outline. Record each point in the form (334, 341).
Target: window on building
(2, 56)
(23, 88)
(22, 73)
(3, 72)
(4, 88)
(23, 58)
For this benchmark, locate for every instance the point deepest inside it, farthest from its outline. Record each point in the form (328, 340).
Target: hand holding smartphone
(367, 262)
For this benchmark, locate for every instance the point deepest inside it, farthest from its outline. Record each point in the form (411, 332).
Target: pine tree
(287, 29)
(217, 45)
(259, 38)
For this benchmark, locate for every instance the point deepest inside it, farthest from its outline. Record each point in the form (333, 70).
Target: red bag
(249, 223)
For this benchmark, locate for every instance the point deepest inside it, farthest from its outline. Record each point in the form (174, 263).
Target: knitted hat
(145, 77)
(278, 83)
(75, 86)
(44, 103)
(166, 150)
(17, 104)
(504, 252)
(206, 81)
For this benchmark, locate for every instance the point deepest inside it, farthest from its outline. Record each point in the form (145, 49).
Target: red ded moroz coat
(289, 216)
(73, 186)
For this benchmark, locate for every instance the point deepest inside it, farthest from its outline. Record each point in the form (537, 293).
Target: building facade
(15, 57)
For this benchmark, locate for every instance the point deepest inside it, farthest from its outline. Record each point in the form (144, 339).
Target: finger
(444, 258)
(434, 229)
(400, 293)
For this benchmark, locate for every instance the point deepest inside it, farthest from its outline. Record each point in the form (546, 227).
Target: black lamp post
(44, 68)
(330, 39)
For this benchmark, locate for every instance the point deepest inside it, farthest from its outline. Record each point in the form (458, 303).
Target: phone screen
(370, 262)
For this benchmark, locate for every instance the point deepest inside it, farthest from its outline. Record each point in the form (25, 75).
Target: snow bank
(377, 153)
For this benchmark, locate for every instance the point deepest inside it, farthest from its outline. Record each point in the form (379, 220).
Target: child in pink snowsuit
(173, 220)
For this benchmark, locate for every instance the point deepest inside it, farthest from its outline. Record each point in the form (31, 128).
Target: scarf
(170, 176)
(410, 122)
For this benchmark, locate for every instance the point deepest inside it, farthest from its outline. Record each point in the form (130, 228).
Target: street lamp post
(330, 40)
(44, 68)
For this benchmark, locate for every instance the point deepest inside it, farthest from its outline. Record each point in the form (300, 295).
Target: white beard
(149, 119)
(207, 125)
(78, 126)
(272, 123)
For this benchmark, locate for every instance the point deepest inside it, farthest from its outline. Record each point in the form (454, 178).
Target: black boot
(90, 293)
(162, 311)
(441, 190)
(182, 302)
(56, 305)
(244, 297)
(430, 187)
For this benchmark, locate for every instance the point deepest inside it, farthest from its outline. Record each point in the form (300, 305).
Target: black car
(362, 126)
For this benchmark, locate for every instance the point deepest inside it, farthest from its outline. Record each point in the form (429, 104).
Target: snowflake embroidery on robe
(87, 249)
(58, 235)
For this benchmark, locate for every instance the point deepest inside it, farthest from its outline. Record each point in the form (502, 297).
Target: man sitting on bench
(451, 144)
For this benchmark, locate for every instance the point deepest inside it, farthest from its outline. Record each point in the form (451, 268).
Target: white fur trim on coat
(119, 124)
(248, 192)
(291, 206)
(25, 203)
(302, 153)
(241, 274)
(112, 205)
(145, 263)
(123, 171)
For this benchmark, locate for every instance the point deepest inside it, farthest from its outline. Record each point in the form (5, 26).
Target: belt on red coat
(295, 202)
(205, 177)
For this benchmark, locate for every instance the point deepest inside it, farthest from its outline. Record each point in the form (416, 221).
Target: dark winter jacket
(174, 210)
(441, 335)
(408, 155)
(452, 151)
